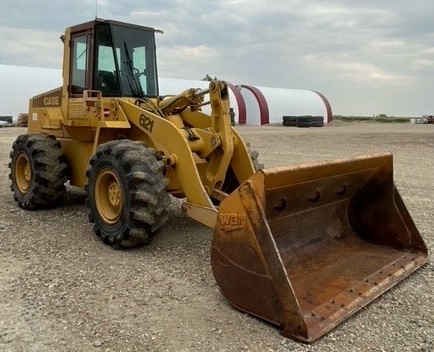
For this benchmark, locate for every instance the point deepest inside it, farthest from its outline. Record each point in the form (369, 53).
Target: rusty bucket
(306, 247)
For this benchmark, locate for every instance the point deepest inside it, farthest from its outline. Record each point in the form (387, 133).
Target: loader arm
(241, 162)
(220, 160)
(218, 125)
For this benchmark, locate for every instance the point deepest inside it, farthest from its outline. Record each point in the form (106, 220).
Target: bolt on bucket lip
(305, 247)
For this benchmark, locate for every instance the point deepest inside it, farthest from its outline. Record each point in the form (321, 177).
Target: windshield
(125, 62)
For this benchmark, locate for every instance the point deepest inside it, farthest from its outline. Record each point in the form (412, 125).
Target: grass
(382, 119)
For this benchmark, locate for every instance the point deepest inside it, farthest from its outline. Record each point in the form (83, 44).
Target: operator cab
(115, 58)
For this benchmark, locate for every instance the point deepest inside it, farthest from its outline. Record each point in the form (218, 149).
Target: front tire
(126, 192)
(38, 171)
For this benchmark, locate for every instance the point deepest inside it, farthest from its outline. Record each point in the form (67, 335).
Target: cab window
(79, 60)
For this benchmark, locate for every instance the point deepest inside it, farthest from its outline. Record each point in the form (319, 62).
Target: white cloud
(358, 71)
(146, 14)
(194, 61)
(20, 46)
(422, 64)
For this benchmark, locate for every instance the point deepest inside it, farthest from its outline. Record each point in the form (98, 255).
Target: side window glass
(79, 64)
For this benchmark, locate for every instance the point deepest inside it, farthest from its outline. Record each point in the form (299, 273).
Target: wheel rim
(23, 172)
(109, 196)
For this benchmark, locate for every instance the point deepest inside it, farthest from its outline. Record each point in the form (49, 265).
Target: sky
(367, 57)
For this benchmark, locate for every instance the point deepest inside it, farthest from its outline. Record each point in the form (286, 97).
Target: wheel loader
(302, 247)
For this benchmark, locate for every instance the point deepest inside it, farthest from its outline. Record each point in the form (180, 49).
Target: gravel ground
(62, 289)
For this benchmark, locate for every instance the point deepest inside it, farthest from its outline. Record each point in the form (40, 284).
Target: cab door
(80, 76)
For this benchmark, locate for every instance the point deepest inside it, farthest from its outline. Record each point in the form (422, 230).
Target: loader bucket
(306, 247)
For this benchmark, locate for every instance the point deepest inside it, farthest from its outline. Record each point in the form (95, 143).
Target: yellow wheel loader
(302, 247)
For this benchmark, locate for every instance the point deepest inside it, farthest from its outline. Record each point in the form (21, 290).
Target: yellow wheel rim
(109, 196)
(23, 172)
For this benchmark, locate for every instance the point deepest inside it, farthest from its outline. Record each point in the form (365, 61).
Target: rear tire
(38, 171)
(126, 192)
